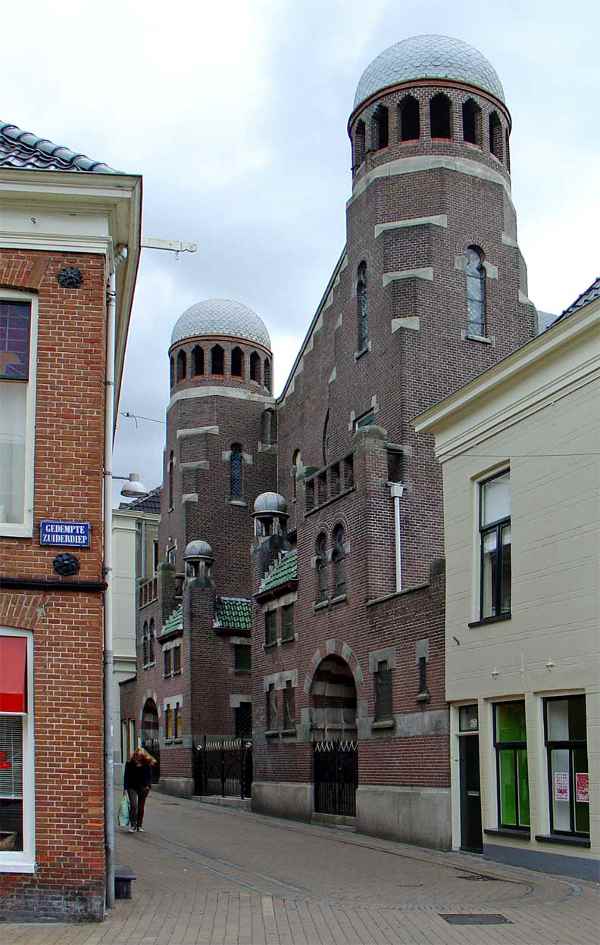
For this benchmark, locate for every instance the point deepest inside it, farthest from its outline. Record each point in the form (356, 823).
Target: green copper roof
(233, 613)
(174, 621)
(281, 571)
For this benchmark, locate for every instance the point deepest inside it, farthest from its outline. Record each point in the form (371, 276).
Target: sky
(235, 114)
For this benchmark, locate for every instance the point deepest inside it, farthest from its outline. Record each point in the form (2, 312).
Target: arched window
(325, 437)
(170, 477)
(151, 641)
(321, 567)
(439, 116)
(235, 471)
(237, 362)
(255, 367)
(475, 273)
(217, 360)
(507, 148)
(197, 361)
(267, 374)
(495, 135)
(359, 143)
(171, 370)
(145, 644)
(471, 115)
(181, 366)
(409, 120)
(380, 128)
(338, 557)
(296, 469)
(362, 308)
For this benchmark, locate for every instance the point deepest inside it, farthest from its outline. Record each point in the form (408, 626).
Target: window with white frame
(495, 546)
(17, 815)
(18, 327)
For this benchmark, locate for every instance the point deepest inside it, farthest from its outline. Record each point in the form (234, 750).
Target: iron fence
(223, 766)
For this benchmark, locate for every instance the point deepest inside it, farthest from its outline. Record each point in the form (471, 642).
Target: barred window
(475, 274)
(235, 474)
(271, 708)
(321, 567)
(267, 374)
(289, 706)
(338, 557)
(383, 692)
(362, 307)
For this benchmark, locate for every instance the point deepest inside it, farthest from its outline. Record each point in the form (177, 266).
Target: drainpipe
(397, 491)
(109, 787)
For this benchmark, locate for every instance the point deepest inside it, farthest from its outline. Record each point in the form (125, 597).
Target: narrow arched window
(170, 477)
(475, 273)
(362, 307)
(151, 641)
(325, 437)
(495, 135)
(171, 370)
(380, 128)
(471, 115)
(268, 427)
(237, 362)
(296, 469)
(439, 116)
(255, 367)
(409, 121)
(267, 374)
(359, 143)
(145, 644)
(181, 366)
(235, 471)
(507, 148)
(197, 361)
(338, 559)
(321, 567)
(217, 360)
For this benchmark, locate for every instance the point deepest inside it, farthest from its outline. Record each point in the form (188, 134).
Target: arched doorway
(150, 740)
(335, 748)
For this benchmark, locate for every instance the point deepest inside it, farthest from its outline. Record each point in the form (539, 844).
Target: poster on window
(561, 785)
(582, 787)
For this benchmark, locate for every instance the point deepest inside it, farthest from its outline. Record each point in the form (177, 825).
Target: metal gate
(336, 777)
(223, 766)
(152, 745)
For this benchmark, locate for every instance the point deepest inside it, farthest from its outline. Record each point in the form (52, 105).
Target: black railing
(223, 766)
(335, 777)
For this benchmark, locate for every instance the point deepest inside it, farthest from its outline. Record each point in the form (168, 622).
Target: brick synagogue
(299, 595)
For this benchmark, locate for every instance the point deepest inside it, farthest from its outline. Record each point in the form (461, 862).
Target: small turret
(199, 560)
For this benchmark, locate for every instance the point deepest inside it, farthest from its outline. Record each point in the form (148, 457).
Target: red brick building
(69, 247)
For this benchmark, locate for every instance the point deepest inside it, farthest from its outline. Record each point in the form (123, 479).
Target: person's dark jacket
(136, 777)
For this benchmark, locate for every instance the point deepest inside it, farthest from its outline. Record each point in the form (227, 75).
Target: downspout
(109, 788)
(397, 491)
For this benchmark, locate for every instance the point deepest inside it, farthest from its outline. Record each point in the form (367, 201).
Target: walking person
(137, 781)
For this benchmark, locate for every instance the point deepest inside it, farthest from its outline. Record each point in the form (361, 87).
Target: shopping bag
(124, 811)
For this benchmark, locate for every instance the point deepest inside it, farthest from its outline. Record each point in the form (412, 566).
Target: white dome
(428, 57)
(198, 549)
(221, 317)
(269, 503)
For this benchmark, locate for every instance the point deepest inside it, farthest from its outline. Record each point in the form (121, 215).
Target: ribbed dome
(428, 57)
(270, 502)
(198, 549)
(221, 317)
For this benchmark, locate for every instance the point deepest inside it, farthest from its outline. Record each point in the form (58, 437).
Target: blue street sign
(65, 533)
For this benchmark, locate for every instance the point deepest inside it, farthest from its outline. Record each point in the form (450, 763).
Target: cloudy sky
(235, 113)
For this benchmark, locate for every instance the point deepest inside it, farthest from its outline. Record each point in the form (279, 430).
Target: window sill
(321, 605)
(241, 503)
(564, 839)
(383, 724)
(486, 620)
(272, 733)
(424, 697)
(513, 833)
(288, 732)
(270, 646)
(16, 531)
(359, 354)
(338, 599)
(149, 665)
(242, 672)
(291, 639)
(24, 867)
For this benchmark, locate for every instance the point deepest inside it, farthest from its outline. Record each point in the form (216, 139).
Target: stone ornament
(66, 565)
(69, 278)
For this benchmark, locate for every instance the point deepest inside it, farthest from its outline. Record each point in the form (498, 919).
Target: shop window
(271, 708)
(289, 706)
(409, 119)
(383, 692)
(495, 545)
(439, 115)
(255, 367)
(359, 143)
(362, 307)
(568, 773)
(338, 559)
(287, 622)
(242, 658)
(510, 740)
(237, 362)
(321, 568)
(270, 627)
(475, 276)
(197, 361)
(16, 752)
(380, 128)
(17, 416)
(235, 471)
(217, 360)
(471, 114)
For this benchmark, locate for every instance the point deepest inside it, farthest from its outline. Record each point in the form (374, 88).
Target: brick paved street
(211, 875)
